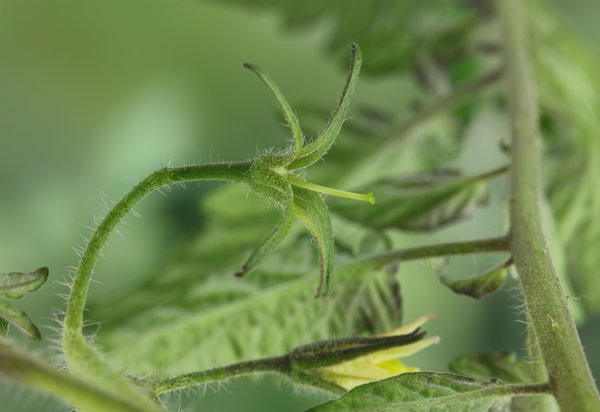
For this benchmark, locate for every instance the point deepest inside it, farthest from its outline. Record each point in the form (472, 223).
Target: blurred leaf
(425, 391)
(391, 33)
(14, 285)
(481, 285)
(20, 319)
(195, 314)
(366, 121)
(418, 203)
(566, 71)
(505, 366)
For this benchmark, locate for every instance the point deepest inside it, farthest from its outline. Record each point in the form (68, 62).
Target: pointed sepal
(310, 208)
(268, 180)
(315, 150)
(288, 113)
(271, 243)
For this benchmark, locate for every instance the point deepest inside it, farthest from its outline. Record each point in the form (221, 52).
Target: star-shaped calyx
(275, 176)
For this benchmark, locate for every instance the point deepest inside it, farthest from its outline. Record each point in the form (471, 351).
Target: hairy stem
(163, 177)
(80, 355)
(279, 364)
(22, 368)
(499, 244)
(570, 377)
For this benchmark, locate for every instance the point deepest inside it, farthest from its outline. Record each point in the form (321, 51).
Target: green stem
(545, 301)
(499, 244)
(22, 368)
(79, 354)
(279, 364)
(167, 176)
(493, 173)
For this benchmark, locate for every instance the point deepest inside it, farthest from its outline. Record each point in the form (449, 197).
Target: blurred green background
(96, 95)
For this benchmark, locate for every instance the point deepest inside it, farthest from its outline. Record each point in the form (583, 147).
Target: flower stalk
(334, 365)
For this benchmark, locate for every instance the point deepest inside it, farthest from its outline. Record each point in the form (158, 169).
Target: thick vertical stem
(570, 377)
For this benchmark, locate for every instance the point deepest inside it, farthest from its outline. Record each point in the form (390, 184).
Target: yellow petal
(399, 351)
(410, 327)
(351, 374)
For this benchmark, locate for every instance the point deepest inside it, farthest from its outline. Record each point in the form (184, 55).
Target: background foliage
(111, 90)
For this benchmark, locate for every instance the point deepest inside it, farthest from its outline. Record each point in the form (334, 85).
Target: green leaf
(193, 314)
(316, 149)
(506, 366)
(418, 203)
(15, 285)
(20, 319)
(288, 113)
(311, 209)
(480, 285)
(423, 391)
(217, 320)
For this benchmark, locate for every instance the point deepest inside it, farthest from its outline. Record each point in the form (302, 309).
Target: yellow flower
(380, 364)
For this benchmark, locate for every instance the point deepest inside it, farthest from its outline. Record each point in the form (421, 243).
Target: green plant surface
(428, 391)
(468, 144)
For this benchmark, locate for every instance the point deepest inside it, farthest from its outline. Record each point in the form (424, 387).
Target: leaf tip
(43, 272)
(34, 333)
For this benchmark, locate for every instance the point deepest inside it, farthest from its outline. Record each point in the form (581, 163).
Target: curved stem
(76, 303)
(546, 303)
(498, 244)
(80, 355)
(22, 368)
